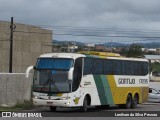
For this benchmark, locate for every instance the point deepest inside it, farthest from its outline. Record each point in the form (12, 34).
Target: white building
(90, 45)
(153, 58)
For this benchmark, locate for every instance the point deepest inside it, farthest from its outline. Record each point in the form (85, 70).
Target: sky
(89, 21)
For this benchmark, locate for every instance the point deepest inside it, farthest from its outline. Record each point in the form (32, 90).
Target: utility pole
(12, 27)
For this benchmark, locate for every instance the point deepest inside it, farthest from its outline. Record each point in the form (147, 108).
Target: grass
(19, 106)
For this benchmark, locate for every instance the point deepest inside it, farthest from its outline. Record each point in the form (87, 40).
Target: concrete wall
(14, 88)
(28, 43)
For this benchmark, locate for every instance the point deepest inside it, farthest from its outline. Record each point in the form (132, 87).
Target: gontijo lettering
(126, 81)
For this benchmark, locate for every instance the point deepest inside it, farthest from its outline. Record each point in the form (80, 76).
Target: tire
(53, 109)
(84, 108)
(128, 102)
(134, 101)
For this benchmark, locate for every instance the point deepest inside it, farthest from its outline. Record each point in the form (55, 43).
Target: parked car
(153, 95)
(156, 74)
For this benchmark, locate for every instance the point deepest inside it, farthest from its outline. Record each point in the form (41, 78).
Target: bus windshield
(54, 63)
(51, 75)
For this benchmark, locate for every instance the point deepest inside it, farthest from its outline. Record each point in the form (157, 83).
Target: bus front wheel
(85, 105)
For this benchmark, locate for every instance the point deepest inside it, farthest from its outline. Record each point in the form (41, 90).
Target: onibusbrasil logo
(17, 114)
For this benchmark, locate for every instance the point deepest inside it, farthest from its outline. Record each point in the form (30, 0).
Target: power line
(94, 35)
(98, 29)
(72, 30)
(99, 32)
(90, 29)
(110, 36)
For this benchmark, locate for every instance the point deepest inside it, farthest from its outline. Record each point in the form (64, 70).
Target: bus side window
(88, 66)
(77, 74)
(108, 67)
(146, 69)
(117, 69)
(135, 68)
(124, 70)
(143, 68)
(128, 67)
(98, 66)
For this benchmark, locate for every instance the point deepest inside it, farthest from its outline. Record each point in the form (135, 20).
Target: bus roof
(62, 55)
(91, 54)
(106, 54)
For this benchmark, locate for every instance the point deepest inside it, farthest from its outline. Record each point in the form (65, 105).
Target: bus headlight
(36, 97)
(64, 98)
(67, 103)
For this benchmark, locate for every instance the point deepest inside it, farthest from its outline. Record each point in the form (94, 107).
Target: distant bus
(89, 79)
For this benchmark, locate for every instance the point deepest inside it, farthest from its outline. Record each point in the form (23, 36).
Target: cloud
(124, 14)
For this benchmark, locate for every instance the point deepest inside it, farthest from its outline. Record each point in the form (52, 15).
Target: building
(28, 43)
(100, 48)
(90, 45)
(153, 58)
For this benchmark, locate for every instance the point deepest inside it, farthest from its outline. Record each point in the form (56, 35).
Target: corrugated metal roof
(152, 57)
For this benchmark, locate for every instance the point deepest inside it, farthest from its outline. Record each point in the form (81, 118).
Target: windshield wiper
(50, 79)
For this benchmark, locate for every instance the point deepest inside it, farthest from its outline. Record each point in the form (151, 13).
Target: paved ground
(94, 113)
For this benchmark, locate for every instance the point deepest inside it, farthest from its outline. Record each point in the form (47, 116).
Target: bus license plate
(49, 103)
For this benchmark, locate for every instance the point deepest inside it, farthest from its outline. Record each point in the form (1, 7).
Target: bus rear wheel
(128, 101)
(85, 105)
(53, 108)
(134, 101)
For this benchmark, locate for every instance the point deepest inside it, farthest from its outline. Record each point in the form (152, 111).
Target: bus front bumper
(58, 103)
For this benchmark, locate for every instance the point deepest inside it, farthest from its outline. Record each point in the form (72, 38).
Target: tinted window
(54, 63)
(88, 66)
(114, 67)
(108, 67)
(117, 67)
(129, 67)
(135, 68)
(143, 68)
(77, 74)
(98, 66)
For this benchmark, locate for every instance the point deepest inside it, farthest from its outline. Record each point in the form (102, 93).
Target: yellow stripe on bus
(119, 94)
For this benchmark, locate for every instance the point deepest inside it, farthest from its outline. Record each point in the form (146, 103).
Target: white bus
(89, 79)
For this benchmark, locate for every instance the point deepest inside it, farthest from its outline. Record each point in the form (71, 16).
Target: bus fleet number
(143, 81)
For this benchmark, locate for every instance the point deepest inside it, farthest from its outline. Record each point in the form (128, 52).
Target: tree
(123, 51)
(135, 50)
(155, 66)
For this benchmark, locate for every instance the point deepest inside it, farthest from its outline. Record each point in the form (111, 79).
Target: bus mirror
(28, 70)
(70, 74)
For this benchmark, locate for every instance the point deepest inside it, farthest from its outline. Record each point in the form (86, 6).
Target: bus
(89, 78)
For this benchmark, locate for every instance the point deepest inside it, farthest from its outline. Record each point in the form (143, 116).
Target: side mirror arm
(28, 70)
(70, 74)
